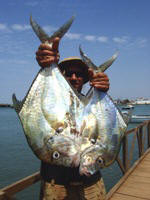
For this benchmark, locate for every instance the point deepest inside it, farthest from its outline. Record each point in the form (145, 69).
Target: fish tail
(38, 31)
(44, 37)
(87, 60)
(100, 68)
(108, 63)
(16, 103)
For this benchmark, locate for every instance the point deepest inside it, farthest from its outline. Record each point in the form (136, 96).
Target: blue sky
(100, 26)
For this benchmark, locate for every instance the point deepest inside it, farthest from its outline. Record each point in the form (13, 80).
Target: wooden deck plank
(117, 196)
(138, 183)
(135, 184)
(143, 169)
(147, 156)
(141, 174)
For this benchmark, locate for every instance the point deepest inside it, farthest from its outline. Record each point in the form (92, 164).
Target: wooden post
(2, 195)
(125, 153)
(148, 134)
(139, 138)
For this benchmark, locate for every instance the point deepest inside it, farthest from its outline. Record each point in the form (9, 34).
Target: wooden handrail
(9, 191)
(140, 133)
(20, 185)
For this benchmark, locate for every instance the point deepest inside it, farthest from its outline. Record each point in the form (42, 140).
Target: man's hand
(46, 55)
(99, 80)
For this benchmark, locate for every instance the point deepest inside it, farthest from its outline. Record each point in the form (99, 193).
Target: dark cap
(75, 61)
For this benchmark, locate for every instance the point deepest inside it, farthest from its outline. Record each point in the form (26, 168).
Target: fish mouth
(88, 168)
(85, 171)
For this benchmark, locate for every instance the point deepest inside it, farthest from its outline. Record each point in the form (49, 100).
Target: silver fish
(106, 128)
(50, 112)
(62, 151)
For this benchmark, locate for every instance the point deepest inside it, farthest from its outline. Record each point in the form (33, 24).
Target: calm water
(17, 160)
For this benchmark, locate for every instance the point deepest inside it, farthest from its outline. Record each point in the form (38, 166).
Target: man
(47, 55)
(61, 182)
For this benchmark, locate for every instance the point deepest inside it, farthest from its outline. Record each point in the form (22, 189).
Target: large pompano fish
(50, 112)
(104, 127)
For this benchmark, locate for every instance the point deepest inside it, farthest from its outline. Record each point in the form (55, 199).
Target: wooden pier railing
(139, 139)
(9, 191)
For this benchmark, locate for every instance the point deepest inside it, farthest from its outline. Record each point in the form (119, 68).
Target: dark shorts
(65, 175)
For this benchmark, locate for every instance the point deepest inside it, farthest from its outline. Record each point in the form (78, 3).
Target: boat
(141, 101)
(139, 118)
(127, 107)
(127, 112)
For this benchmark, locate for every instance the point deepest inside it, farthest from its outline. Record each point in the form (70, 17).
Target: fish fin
(108, 63)
(16, 103)
(63, 29)
(102, 67)
(44, 37)
(38, 31)
(87, 60)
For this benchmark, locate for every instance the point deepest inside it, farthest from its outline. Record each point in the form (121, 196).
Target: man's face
(75, 76)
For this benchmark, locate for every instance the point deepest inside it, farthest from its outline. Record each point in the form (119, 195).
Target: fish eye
(100, 161)
(59, 130)
(56, 155)
(93, 141)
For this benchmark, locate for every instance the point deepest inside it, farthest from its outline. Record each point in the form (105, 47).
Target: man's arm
(99, 80)
(46, 54)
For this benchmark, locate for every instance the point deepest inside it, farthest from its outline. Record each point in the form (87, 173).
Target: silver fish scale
(108, 126)
(104, 117)
(35, 126)
(102, 120)
(108, 130)
(51, 111)
(110, 116)
(51, 107)
(61, 107)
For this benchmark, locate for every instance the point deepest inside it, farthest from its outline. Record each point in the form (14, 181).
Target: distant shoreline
(6, 105)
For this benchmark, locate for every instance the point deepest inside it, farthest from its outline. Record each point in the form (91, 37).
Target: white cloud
(73, 36)
(4, 27)
(142, 42)
(121, 40)
(102, 39)
(130, 42)
(90, 37)
(34, 3)
(19, 27)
